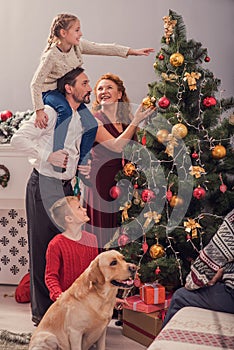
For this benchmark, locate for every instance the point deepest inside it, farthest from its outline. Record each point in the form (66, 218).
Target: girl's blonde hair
(61, 21)
(124, 110)
(60, 209)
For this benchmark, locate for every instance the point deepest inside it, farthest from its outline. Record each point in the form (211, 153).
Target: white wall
(24, 28)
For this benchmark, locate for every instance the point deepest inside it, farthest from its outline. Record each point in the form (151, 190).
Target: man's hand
(59, 158)
(216, 278)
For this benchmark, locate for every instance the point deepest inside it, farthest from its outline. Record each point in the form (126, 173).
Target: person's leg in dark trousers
(217, 298)
(57, 100)
(41, 194)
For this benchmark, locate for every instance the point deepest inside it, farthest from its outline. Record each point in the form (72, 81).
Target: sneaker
(36, 320)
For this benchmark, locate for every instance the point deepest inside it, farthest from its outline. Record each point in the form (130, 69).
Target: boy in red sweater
(69, 253)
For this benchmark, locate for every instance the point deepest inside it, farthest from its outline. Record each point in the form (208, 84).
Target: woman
(116, 127)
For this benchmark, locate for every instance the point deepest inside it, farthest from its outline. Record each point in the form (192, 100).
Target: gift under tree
(180, 181)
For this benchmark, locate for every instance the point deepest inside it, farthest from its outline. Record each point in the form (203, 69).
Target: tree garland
(5, 177)
(9, 126)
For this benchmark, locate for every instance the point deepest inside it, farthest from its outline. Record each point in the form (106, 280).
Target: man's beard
(85, 99)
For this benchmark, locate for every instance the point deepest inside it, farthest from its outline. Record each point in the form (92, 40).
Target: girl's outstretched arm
(140, 52)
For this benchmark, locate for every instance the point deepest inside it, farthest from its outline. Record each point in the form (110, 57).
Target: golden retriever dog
(80, 316)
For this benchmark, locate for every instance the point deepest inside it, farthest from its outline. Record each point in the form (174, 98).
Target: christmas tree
(178, 182)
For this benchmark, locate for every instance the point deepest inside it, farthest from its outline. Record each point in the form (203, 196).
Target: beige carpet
(16, 318)
(14, 341)
(12, 346)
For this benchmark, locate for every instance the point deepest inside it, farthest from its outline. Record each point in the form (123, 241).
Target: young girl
(64, 53)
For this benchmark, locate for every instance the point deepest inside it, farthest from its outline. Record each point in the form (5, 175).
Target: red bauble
(5, 115)
(157, 271)
(161, 57)
(207, 59)
(164, 102)
(223, 188)
(145, 247)
(115, 192)
(195, 155)
(137, 282)
(169, 195)
(209, 101)
(123, 240)
(143, 140)
(147, 195)
(199, 193)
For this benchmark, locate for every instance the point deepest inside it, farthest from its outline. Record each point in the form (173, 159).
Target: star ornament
(197, 171)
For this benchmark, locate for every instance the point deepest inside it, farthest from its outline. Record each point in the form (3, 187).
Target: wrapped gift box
(135, 303)
(140, 326)
(152, 293)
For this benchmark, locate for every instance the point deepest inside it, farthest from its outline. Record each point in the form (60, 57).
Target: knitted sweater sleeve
(46, 65)
(92, 48)
(219, 252)
(52, 270)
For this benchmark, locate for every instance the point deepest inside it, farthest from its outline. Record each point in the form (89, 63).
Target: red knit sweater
(66, 260)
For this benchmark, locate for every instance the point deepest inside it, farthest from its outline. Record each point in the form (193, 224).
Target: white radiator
(14, 259)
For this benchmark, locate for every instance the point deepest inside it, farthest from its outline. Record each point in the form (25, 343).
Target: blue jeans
(56, 100)
(217, 298)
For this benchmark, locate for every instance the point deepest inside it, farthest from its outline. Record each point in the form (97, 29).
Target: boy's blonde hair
(60, 209)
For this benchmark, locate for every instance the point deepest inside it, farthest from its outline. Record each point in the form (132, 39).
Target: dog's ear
(95, 274)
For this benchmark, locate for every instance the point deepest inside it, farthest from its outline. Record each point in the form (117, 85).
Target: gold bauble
(129, 169)
(162, 135)
(155, 65)
(148, 102)
(176, 201)
(157, 251)
(219, 152)
(179, 131)
(176, 59)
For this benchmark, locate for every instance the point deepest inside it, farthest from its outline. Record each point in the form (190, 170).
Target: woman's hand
(141, 114)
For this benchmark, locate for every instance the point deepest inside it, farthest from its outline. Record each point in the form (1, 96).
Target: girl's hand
(41, 120)
(140, 52)
(142, 113)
